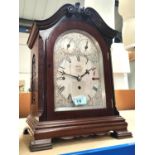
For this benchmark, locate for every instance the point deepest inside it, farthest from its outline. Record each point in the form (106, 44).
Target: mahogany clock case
(46, 123)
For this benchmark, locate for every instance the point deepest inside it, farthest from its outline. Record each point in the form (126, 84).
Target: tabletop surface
(79, 144)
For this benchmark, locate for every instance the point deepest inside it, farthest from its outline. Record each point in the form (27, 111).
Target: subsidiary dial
(86, 47)
(68, 45)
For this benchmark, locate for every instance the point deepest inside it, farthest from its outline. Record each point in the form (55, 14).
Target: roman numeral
(68, 59)
(70, 98)
(95, 88)
(86, 59)
(61, 67)
(95, 78)
(86, 47)
(61, 78)
(78, 58)
(62, 72)
(61, 89)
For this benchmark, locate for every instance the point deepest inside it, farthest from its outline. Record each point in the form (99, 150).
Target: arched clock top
(88, 15)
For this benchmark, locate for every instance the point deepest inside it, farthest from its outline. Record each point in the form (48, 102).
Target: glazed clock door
(78, 83)
(78, 72)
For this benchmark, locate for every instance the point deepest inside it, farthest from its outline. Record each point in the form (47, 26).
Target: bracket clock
(72, 80)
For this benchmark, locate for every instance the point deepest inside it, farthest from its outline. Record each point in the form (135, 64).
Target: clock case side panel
(38, 108)
(34, 79)
(113, 101)
(71, 24)
(42, 81)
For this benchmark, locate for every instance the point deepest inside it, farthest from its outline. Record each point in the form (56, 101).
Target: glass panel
(78, 72)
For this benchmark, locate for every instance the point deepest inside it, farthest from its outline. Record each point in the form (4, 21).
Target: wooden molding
(72, 127)
(69, 10)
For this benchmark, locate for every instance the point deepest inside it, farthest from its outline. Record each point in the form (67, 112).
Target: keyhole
(79, 87)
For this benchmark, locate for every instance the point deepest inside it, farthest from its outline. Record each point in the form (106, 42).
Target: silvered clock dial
(78, 72)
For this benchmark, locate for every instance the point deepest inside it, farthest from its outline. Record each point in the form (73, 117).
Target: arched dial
(78, 70)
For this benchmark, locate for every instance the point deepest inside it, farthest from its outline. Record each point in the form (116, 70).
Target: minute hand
(76, 77)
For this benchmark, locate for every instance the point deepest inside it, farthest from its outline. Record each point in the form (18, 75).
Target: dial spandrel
(78, 72)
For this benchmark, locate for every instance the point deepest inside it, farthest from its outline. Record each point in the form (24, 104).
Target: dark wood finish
(121, 134)
(38, 145)
(45, 123)
(73, 127)
(69, 10)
